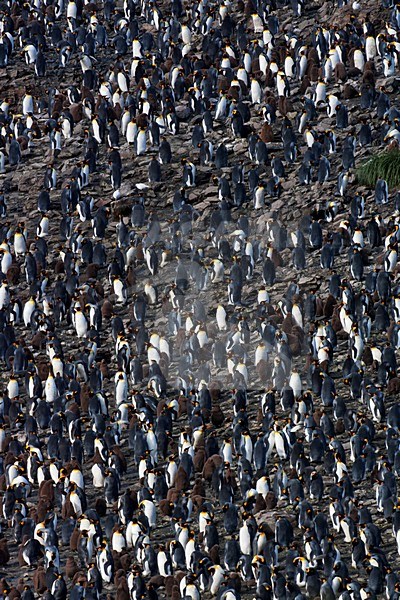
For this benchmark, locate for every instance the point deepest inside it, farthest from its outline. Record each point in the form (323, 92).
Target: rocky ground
(296, 206)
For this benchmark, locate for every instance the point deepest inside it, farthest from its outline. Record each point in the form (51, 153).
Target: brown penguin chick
(119, 575)
(296, 341)
(161, 406)
(50, 13)
(71, 568)
(304, 85)
(339, 73)
(97, 459)
(80, 579)
(369, 66)
(214, 555)
(39, 580)
(235, 582)
(199, 459)
(104, 369)
(132, 421)
(317, 414)
(59, 103)
(166, 507)
(23, 142)
(269, 77)
(116, 451)
(76, 111)
(139, 253)
(131, 276)
(21, 586)
(354, 514)
(10, 458)
(142, 121)
(180, 337)
(117, 560)
(339, 426)
(267, 530)
(156, 581)
(74, 539)
(234, 92)
(5, 442)
(210, 465)
(350, 59)
(59, 267)
(179, 575)
(173, 495)
(198, 502)
(270, 500)
(229, 476)
(43, 370)
(266, 133)
(164, 364)
(312, 55)
(249, 8)
(288, 323)
(349, 92)
(279, 53)
(259, 504)
(182, 480)
(46, 490)
(393, 386)
(117, 111)
(217, 416)
(319, 307)
(182, 405)
(4, 552)
(314, 73)
(13, 274)
(169, 583)
(107, 309)
(270, 99)
(255, 69)
(198, 488)
(368, 77)
(91, 271)
(335, 320)
(264, 371)
(275, 256)
(175, 593)
(74, 406)
(285, 105)
(100, 506)
(328, 306)
(36, 131)
(33, 514)
(353, 72)
(84, 397)
(42, 509)
(367, 357)
(38, 341)
(215, 391)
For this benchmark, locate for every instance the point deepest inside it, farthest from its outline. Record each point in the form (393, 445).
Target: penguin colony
(200, 315)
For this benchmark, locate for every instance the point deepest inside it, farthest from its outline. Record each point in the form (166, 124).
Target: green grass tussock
(385, 165)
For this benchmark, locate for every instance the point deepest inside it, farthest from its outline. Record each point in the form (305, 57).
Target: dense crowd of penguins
(181, 416)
